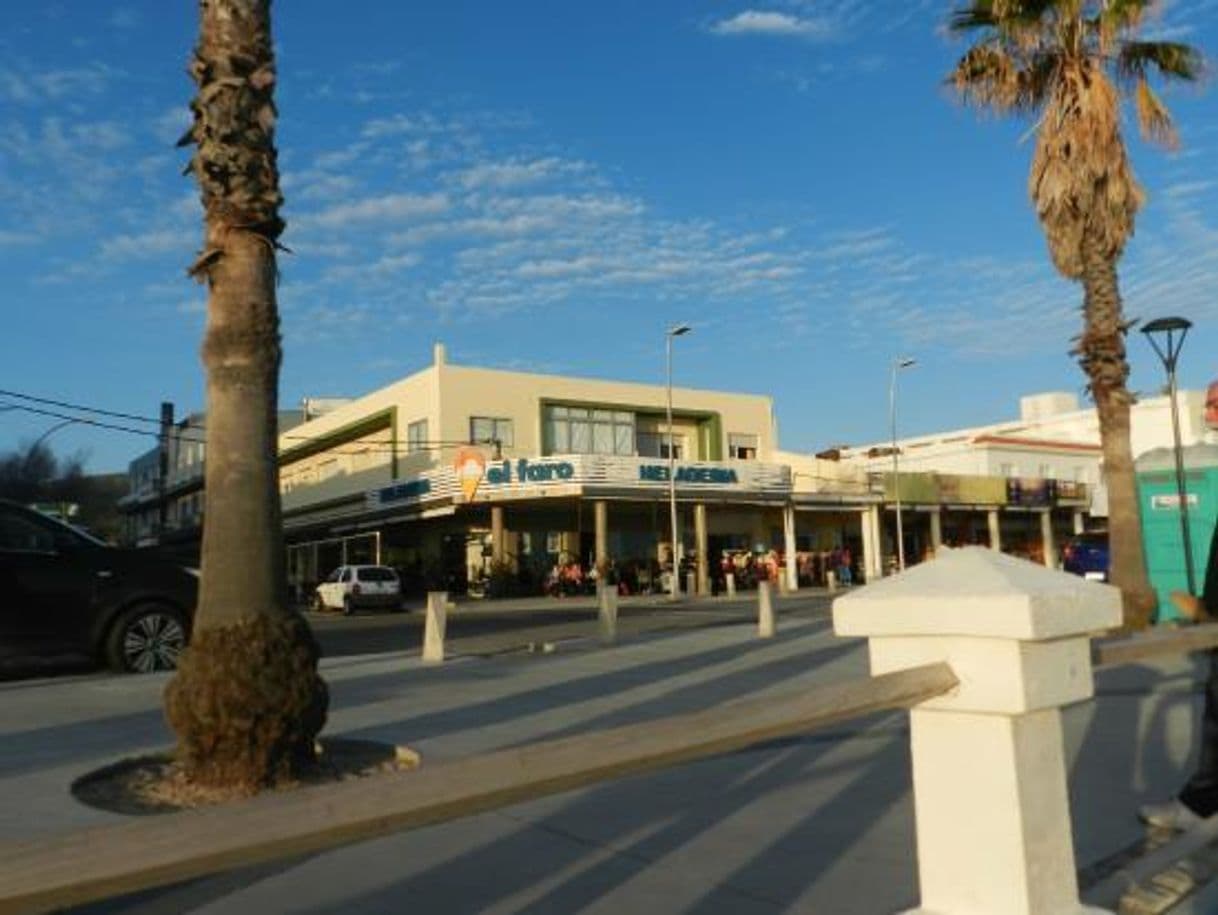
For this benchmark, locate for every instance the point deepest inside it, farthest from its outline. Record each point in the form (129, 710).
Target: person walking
(1198, 799)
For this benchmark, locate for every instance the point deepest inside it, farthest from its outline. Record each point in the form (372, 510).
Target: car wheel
(348, 606)
(146, 638)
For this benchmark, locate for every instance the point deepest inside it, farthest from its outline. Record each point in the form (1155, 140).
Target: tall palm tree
(1069, 63)
(247, 701)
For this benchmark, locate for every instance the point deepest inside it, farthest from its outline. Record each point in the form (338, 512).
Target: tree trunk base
(247, 703)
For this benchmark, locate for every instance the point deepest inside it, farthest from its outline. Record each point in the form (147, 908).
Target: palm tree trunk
(246, 702)
(1101, 353)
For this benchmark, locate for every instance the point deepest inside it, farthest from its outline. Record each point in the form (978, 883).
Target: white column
(434, 626)
(606, 598)
(1046, 538)
(936, 530)
(788, 546)
(600, 511)
(701, 545)
(995, 530)
(765, 610)
(497, 550)
(1078, 521)
(878, 540)
(868, 545)
(989, 770)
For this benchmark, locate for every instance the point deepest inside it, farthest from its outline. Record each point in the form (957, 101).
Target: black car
(63, 591)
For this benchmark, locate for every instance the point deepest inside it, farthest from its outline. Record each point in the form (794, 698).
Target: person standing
(1198, 799)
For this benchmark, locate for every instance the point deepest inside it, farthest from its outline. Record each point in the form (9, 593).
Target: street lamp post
(47, 434)
(674, 591)
(1168, 353)
(897, 365)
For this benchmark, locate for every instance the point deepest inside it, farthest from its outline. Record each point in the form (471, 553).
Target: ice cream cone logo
(470, 466)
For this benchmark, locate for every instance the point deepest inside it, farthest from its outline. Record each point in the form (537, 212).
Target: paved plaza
(821, 823)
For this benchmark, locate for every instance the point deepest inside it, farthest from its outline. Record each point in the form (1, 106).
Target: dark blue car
(1087, 555)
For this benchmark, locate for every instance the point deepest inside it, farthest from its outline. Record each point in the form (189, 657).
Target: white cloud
(147, 244)
(769, 22)
(387, 208)
(30, 85)
(516, 173)
(386, 267)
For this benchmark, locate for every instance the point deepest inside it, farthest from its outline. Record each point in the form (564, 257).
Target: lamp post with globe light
(1171, 332)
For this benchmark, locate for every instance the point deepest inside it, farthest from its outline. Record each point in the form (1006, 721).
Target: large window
(742, 447)
(416, 436)
(584, 430)
(491, 429)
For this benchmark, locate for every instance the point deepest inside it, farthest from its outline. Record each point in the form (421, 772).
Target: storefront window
(581, 430)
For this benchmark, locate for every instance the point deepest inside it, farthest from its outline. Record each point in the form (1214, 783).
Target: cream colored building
(562, 469)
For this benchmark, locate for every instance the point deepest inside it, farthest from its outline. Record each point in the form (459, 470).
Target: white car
(350, 587)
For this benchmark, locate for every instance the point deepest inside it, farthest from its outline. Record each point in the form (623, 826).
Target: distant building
(166, 507)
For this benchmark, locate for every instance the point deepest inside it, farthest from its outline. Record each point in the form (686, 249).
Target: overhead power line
(392, 446)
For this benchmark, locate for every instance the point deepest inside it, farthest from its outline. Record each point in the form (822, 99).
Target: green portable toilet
(1159, 502)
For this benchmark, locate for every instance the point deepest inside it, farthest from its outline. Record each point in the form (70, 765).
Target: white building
(1053, 438)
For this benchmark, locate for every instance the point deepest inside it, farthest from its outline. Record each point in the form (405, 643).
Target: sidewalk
(820, 824)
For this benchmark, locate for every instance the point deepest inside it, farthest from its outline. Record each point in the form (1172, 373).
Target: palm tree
(247, 701)
(1069, 63)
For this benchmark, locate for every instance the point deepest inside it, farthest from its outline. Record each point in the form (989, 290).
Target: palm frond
(1172, 59)
(977, 15)
(1153, 117)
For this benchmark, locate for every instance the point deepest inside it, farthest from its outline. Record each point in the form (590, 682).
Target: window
(1044, 471)
(491, 429)
(1007, 470)
(655, 444)
(377, 573)
(742, 447)
(583, 430)
(416, 437)
(19, 535)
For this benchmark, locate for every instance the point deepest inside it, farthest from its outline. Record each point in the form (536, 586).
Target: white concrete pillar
(791, 570)
(765, 610)
(691, 583)
(606, 599)
(600, 510)
(995, 530)
(1048, 543)
(869, 560)
(434, 626)
(989, 770)
(878, 537)
(497, 550)
(702, 545)
(936, 530)
(730, 581)
(1079, 525)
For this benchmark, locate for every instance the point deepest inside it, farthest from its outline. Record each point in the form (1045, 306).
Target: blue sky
(546, 185)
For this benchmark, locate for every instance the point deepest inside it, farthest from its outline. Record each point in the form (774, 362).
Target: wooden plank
(1158, 643)
(51, 873)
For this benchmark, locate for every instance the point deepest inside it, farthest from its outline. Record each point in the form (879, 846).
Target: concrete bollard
(606, 599)
(434, 625)
(730, 580)
(691, 584)
(989, 771)
(831, 581)
(765, 610)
